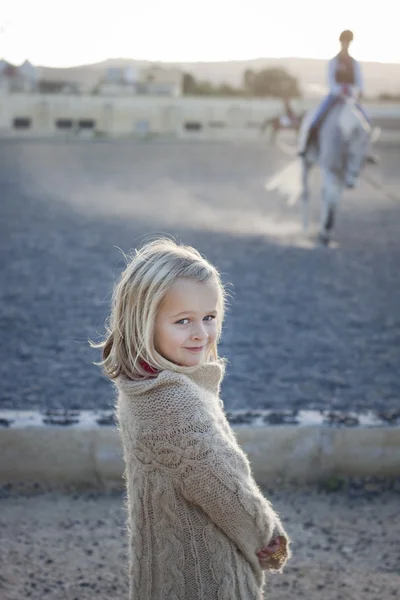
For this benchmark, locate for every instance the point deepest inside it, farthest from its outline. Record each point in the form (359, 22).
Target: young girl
(199, 527)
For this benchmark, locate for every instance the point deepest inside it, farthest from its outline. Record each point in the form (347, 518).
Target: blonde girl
(199, 526)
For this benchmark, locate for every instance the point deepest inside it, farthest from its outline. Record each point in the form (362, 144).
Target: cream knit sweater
(196, 517)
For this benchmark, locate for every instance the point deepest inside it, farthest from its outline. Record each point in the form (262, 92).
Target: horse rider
(344, 72)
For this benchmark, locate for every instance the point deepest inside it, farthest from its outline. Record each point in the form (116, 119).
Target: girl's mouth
(197, 349)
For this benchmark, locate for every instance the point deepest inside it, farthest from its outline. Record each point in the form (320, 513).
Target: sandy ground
(307, 327)
(72, 546)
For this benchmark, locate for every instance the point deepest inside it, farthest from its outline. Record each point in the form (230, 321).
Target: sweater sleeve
(218, 480)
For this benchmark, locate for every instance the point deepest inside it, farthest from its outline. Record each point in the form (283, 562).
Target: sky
(63, 34)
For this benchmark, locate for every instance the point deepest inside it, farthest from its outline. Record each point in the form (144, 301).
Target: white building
(23, 78)
(139, 115)
(158, 81)
(152, 81)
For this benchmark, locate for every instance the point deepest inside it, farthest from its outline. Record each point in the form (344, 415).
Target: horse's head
(355, 132)
(351, 118)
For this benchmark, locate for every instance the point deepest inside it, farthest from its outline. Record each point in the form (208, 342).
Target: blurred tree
(248, 79)
(189, 84)
(225, 89)
(274, 81)
(389, 97)
(193, 87)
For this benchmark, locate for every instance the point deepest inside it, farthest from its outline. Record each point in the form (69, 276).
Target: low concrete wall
(68, 455)
(184, 117)
(313, 453)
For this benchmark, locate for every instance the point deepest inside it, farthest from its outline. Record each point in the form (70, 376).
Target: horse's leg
(358, 150)
(332, 188)
(305, 191)
(274, 130)
(264, 125)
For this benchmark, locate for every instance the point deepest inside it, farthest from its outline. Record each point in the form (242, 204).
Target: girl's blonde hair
(136, 298)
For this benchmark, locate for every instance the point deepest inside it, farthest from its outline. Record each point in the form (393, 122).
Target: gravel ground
(74, 547)
(308, 327)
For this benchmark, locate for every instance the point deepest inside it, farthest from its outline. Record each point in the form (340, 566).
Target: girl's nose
(199, 333)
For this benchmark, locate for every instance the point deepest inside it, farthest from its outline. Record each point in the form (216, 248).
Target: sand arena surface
(307, 327)
(74, 546)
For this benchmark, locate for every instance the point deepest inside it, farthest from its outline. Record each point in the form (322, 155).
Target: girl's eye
(186, 321)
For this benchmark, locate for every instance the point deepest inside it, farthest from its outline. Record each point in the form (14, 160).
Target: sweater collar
(207, 376)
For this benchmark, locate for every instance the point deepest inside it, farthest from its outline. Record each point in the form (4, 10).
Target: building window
(64, 123)
(193, 126)
(86, 123)
(22, 123)
(142, 126)
(217, 124)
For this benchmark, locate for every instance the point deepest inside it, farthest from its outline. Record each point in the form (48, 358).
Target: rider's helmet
(346, 36)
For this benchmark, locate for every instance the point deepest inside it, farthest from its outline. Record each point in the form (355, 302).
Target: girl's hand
(266, 554)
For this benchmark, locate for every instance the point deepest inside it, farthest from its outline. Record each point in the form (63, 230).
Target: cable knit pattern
(195, 515)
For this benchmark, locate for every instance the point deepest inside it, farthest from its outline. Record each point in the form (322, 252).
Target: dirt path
(55, 546)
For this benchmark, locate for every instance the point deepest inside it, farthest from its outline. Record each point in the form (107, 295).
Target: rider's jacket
(344, 70)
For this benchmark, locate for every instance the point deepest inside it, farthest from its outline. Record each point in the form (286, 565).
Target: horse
(340, 147)
(279, 122)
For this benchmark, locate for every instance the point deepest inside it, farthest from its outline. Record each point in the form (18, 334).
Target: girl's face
(186, 323)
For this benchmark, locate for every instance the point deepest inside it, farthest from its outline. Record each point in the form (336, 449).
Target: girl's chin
(197, 358)
(192, 362)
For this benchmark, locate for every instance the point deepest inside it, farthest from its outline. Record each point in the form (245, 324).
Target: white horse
(339, 147)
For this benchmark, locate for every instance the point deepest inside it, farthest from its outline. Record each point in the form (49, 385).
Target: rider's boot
(309, 138)
(372, 159)
(304, 147)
